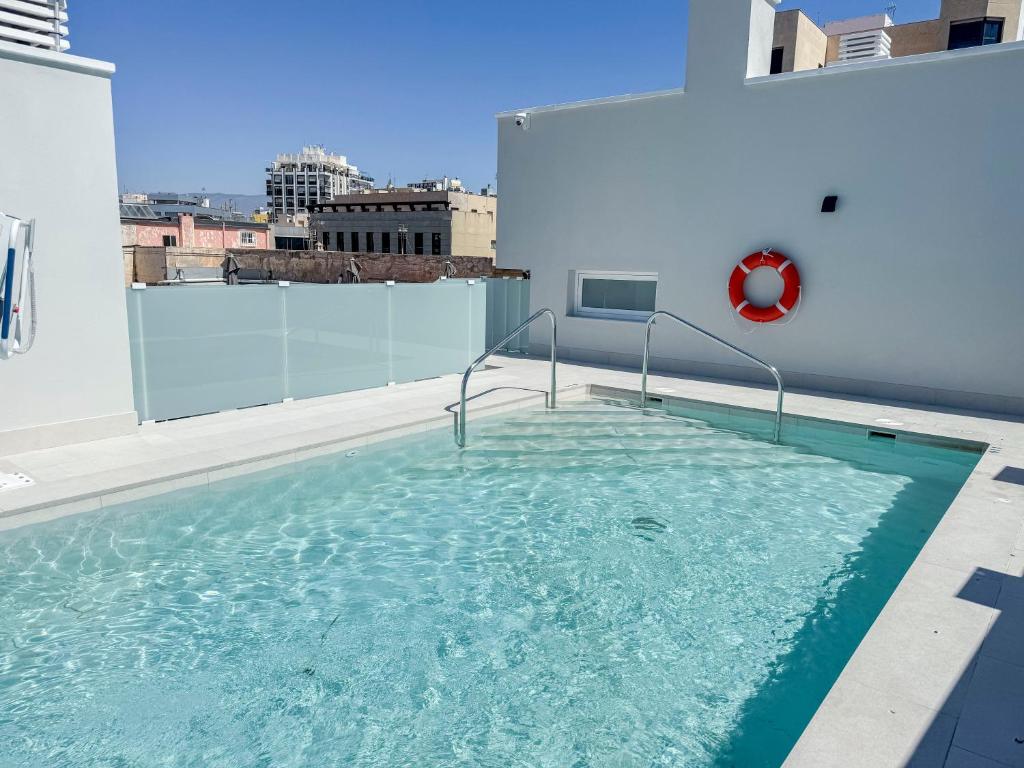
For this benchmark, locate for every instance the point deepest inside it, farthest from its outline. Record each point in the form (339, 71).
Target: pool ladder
(707, 334)
(460, 417)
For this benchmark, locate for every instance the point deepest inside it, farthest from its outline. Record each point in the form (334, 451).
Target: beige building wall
(474, 225)
(933, 35)
(803, 43)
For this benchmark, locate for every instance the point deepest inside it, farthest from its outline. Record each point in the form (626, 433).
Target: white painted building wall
(912, 290)
(57, 166)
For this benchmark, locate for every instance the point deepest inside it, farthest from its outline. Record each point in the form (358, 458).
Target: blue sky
(208, 92)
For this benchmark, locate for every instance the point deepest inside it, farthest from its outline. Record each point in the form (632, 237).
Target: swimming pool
(592, 586)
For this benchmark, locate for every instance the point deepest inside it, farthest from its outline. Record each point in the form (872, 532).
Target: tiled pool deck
(939, 679)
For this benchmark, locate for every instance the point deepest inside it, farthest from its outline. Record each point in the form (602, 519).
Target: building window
(615, 295)
(327, 240)
(777, 54)
(435, 244)
(370, 243)
(170, 241)
(968, 34)
(385, 242)
(339, 241)
(418, 244)
(355, 242)
(247, 239)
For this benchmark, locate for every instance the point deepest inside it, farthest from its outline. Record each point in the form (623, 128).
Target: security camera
(523, 120)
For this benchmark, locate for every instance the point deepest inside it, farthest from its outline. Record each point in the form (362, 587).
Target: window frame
(435, 244)
(983, 22)
(633, 315)
(247, 239)
(170, 241)
(417, 244)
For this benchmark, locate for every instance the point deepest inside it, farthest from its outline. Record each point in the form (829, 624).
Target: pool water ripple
(561, 593)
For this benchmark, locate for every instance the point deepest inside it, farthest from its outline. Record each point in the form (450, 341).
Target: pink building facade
(187, 232)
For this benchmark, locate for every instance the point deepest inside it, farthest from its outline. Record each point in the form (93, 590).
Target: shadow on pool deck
(988, 731)
(1014, 475)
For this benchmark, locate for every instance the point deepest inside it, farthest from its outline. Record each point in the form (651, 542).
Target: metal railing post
(707, 334)
(460, 418)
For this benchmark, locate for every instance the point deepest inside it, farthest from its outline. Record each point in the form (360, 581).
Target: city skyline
(200, 109)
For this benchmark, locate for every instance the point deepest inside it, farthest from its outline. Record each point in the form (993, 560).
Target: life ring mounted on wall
(790, 291)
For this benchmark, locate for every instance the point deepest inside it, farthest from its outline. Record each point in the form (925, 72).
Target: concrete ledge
(65, 61)
(68, 433)
(997, 404)
(60, 498)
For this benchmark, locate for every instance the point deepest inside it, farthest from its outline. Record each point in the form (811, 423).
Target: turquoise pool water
(592, 587)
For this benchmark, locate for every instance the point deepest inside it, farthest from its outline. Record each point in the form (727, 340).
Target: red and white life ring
(790, 292)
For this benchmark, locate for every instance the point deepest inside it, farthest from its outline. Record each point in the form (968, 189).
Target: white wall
(912, 290)
(57, 166)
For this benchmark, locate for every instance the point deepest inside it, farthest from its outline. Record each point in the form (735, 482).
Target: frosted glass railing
(508, 307)
(202, 349)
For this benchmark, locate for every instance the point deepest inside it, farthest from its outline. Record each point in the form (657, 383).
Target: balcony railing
(204, 349)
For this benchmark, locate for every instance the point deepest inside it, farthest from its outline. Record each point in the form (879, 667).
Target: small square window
(615, 295)
(170, 241)
(247, 239)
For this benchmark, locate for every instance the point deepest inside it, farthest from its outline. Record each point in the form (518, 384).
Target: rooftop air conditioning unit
(36, 23)
(862, 46)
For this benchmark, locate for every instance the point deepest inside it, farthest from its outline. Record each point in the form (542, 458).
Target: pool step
(605, 461)
(588, 435)
(580, 437)
(590, 431)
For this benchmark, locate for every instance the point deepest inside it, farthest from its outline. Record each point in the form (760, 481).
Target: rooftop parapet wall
(153, 265)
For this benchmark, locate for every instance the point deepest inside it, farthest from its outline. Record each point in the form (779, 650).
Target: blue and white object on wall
(17, 287)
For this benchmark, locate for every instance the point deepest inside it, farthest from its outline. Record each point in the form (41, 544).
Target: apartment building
(408, 221)
(800, 44)
(36, 23)
(298, 181)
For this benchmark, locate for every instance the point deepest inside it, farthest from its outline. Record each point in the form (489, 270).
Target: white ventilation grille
(860, 46)
(38, 23)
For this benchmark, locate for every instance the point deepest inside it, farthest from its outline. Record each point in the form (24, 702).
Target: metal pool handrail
(460, 417)
(770, 368)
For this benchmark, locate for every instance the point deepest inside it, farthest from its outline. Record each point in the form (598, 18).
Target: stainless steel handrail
(770, 368)
(460, 417)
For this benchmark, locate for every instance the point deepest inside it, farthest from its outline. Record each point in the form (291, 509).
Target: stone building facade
(408, 222)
